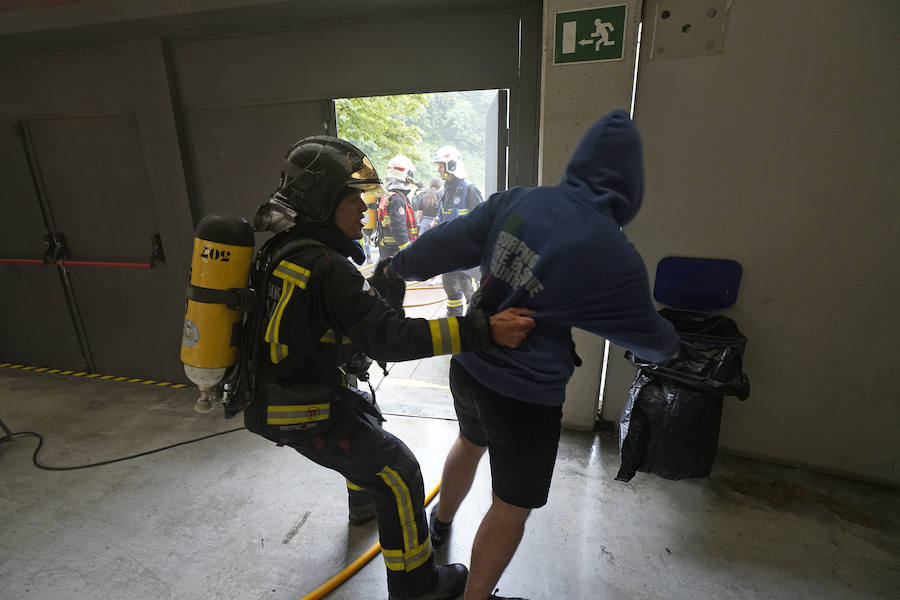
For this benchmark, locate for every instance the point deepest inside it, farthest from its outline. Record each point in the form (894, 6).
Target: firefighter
(458, 198)
(395, 220)
(316, 315)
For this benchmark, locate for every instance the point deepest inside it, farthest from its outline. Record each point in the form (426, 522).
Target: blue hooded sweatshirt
(557, 250)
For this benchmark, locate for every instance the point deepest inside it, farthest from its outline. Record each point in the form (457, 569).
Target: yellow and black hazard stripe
(445, 336)
(413, 553)
(97, 376)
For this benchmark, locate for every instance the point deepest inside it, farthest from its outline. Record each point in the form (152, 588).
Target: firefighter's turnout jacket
(318, 308)
(458, 198)
(396, 223)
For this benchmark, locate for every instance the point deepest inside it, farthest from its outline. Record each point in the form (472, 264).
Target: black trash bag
(670, 423)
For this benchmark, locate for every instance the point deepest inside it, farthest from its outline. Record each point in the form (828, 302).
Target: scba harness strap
(239, 386)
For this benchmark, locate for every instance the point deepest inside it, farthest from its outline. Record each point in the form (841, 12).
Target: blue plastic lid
(697, 283)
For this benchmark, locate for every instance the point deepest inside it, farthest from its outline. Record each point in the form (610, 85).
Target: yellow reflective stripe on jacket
(293, 273)
(353, 486)
(445, 336)
(291, 414)
(402, 246)
(292, 276)
(278, 350)
(454, 303)
(464, 211)
(413, 554)
(329, 337)
(388, 240)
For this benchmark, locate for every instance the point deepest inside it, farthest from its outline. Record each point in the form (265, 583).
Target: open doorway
(416, 125)
(474, 122)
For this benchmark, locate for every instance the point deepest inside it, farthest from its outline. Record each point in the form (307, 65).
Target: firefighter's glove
(391, 289)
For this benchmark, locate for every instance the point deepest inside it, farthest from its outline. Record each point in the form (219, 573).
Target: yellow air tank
(220, 271)
(371, 200)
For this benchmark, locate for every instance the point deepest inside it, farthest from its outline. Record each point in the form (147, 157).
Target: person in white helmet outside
(395, 220)
(457, 199)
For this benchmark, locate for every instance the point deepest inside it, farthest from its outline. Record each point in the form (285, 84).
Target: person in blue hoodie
(559, 251)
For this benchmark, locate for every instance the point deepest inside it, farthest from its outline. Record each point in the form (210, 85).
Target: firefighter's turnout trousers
(457, 285)
(373, 459)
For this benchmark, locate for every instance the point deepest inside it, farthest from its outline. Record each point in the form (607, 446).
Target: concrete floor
(235, 517)
(238, 518)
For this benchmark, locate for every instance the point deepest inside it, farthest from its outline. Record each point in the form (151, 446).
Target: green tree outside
(416, 125)
(380, 126)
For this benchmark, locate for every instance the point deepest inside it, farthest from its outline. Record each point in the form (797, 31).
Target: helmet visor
(365, 178)
(366, 172)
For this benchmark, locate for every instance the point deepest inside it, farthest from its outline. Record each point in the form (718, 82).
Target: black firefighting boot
(361, 505)
(438, 530)
(448, 582)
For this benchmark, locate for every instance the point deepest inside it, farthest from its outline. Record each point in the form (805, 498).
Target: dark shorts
(522, 438)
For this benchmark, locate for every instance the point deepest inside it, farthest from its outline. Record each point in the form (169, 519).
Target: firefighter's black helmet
(317, 173)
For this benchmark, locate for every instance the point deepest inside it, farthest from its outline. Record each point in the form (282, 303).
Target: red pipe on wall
(93, 263)
(76, 263)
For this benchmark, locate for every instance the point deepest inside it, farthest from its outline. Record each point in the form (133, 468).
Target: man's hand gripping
(510, 327)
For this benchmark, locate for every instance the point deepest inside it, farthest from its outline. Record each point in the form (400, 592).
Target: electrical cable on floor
(323, 590)
(351, 569)
(105, 462)
(40, 439)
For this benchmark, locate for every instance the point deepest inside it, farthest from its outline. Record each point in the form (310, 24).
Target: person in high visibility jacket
(317, 313)
(395, 220)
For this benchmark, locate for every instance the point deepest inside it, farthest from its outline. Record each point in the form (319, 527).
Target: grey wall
(781, 153)
(573, 97)
(146, 116)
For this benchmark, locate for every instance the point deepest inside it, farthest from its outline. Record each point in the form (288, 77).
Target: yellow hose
(423, 303)
(330, 585)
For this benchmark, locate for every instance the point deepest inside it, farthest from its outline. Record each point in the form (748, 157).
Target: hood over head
(607, 167)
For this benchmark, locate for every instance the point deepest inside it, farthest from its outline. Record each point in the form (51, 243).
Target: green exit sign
(590, 34)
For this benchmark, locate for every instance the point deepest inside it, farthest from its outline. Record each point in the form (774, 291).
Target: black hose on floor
(40, 438)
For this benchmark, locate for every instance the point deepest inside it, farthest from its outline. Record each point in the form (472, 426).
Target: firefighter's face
(442, 170)
(349, 215)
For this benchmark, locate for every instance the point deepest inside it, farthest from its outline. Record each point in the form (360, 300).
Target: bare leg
(459, 471)
(495, 543)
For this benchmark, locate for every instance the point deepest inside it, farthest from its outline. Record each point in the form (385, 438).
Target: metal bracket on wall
(55, 244)
(686, 28)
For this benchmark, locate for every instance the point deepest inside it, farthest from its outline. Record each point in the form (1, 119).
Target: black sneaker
(494, 596)
(439, 530)
(450, 585)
